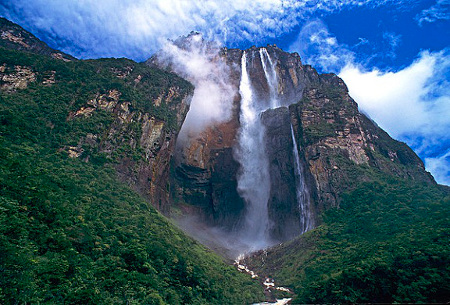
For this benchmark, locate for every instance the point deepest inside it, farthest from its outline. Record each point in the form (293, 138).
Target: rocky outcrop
(148, 142)
(13, 78)
(13, 36)
(340, 144)
(19, 78)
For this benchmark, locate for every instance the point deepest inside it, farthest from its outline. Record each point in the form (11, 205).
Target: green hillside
(389, 242)
(70, 232)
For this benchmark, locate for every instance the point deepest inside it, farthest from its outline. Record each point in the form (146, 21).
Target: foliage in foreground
(70, 233)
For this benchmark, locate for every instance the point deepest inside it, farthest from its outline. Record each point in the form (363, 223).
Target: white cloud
(439, 11)
(440, 167)
(199, 63)
(393, 40)
(412, 104)
(136, 28)
(319, 48)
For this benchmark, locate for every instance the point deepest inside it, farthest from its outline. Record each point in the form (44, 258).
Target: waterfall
(271, 76)
(253, 178)
(303, 196)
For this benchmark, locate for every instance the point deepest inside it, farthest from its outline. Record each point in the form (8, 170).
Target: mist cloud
(199, 62)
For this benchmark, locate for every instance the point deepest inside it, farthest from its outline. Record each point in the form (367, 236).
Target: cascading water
(265, 176)
(254, 178)
(303, 197)
(271, 76)
(254, 182)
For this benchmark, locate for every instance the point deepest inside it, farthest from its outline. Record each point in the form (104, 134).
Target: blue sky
(394, 55)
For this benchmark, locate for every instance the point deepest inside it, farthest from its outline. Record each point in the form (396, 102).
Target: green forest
(70, 232)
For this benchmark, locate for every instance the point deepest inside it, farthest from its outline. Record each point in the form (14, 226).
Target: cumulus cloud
(412, 104)
(137, 28)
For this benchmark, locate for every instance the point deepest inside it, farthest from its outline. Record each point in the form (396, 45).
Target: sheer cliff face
(208, 166)
(340, 144)
(335, 142)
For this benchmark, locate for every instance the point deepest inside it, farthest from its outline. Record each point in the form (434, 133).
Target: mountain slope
(71, 232)
(388, 242)
(86, 156)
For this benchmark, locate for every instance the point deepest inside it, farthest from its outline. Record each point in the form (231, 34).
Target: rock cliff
(341, 144)
(141, 143)
(336, 144)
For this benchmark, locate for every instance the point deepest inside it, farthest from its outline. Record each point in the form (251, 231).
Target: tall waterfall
(303, 197)
(254, 178)
(254, 184)
(271, 76)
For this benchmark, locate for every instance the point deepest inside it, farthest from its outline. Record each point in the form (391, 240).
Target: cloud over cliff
(199, 62)
(412, 104)
(136, 28)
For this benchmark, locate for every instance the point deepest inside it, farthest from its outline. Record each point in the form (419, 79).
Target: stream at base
(278, 302)
(268, 283)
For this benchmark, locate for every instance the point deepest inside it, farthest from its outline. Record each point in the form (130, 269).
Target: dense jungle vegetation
(70, 232)
(388, 242)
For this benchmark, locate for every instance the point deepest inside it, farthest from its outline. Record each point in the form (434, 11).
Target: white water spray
(303, 196)
(254, 178)
(271, 76)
